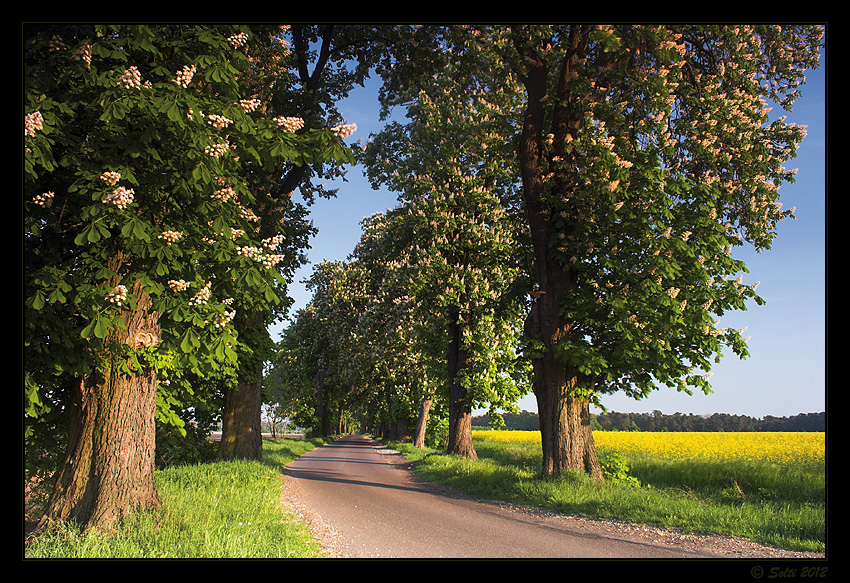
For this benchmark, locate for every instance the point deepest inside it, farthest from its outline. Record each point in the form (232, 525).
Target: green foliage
(151, 171)
(615, 469)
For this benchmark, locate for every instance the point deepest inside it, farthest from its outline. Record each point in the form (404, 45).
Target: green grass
(233, 509)
(213, 510)
(767, 503)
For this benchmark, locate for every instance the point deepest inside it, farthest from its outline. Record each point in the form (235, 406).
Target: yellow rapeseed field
(775, 447)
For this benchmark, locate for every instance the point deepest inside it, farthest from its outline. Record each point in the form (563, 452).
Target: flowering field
(774, 447)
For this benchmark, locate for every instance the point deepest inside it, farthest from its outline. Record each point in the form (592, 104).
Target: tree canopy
(152, 215)
(570, 202)
(637, 160)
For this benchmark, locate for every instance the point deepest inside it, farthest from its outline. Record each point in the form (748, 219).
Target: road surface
(374, 508)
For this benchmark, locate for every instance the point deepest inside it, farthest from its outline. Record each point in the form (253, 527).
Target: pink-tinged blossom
(44, 199)
(57, 44)
(120, 197)
(184, 76)
(110, 178)
(290, 124)
(83, 53)
(117, 295)
(171, 236)
(131, 79)
(344, 130)
(33, 122)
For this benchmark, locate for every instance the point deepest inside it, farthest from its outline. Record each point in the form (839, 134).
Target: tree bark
(241, 419)
(321, 405)
(422, 422)
(108, 468)
(241, 425)
(460, 401)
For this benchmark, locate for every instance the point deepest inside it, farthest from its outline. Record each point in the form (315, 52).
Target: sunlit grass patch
(214, 510)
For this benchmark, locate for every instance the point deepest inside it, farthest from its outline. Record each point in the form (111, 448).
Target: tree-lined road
(378, 509)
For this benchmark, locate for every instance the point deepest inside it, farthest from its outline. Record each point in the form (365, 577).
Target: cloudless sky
(785, 373)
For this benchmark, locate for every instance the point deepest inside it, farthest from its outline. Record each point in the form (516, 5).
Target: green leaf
(190, 342)
(87, 331)
(174, 113)
(38, 300)
(86, 236)
(100, 329)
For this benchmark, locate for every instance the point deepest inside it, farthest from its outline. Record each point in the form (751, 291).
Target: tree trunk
(321, 405)
(422, 422)
(241, 425)
(564, 415)
(241, 419)
(460, 401)
(109, 461)
(565, 431)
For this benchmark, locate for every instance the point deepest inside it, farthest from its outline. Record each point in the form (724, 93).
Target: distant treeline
(657, 421)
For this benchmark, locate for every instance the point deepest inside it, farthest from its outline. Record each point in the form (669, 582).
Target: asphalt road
(379, 509)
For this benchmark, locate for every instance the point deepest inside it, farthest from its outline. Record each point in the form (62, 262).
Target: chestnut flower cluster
(178, 285)
(248, 215)
(224, 319)
(117, 295)
(216, 150)
(171, 236)
(44, 199)
(83, 53)
(290, 124)
(32, 122)
(225, 190)
(56, 43)
(273, 242)
(184, 76)
(268, 260)
(202, 297)
(249, 105)
(218, 121)
(110, 178)
(120, 197)
(131, 79)
(237, 40)
(344, 130)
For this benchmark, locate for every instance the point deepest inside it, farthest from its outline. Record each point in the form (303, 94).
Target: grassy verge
(233, 509)
(213, 510)
(769, 503)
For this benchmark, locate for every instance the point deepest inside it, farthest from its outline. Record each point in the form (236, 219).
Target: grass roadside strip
(233, 509)
(213, 510)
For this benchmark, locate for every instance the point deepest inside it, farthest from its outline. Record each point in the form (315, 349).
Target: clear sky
(786, 371)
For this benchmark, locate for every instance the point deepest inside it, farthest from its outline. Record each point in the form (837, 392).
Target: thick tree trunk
(460, 401)
(241, 419)
(241, 429)
(422, 422)
(109, 461)
(564, 415)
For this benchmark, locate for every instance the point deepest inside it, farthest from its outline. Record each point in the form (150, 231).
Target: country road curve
(368, 505)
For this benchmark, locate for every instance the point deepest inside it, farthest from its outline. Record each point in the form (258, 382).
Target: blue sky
(786, 371)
